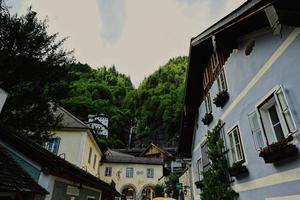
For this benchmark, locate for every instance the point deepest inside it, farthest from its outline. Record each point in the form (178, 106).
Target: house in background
(74, 141)
(99, 124)
(171, 163)
(134, 177)
(43, 175)
(244, 71)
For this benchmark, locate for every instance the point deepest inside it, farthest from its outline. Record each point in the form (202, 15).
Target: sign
(179, 186)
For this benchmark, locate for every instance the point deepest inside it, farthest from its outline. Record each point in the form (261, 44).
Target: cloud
(112, 16)
(135, 35)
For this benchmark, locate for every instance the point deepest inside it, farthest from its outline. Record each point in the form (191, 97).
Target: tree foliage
(159, 101)
(32, 70)
(170, 183)
(100, 91)
(216, 181)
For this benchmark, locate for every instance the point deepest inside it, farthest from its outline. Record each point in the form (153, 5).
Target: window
(200, 169)
(108, 171)
(53, 145)
(90, 155)
(150, 173)
(206, 77)
(208, 107)
(205, 159)
(221, 80)
(235, 145)
(129, 172)
(272, 121)
(95, 159)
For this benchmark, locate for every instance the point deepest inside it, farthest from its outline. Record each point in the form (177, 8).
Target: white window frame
(128, 173)
(208, 105)
(199, 168)
(222, 79)
(236, 128)
(205, 77)
(150, 172)
(108, 171)
(274, 94)
(51, 145)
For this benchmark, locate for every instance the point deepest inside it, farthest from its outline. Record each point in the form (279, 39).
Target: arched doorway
(147, 192)
(129, 192)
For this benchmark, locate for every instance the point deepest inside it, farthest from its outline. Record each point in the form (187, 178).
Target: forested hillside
(159, 104)
(153, 109)
(101, 90)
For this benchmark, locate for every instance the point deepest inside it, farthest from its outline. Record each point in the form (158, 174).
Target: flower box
(221, 99)
(207, 119)
(238, 169)
(279, 150)
(199, 184)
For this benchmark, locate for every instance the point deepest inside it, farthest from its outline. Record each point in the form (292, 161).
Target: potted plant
(199, 184)
(237, 169)
(208, 117)
(221, 99)
(279, 150)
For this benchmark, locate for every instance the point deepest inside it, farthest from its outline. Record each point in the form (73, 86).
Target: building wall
(70, 145)
(75, 144)
(139, 180)
(186, 183)
(60, 192)
(90, 143)
(274, 61)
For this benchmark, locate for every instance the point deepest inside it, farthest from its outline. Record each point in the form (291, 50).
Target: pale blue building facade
(260, 73)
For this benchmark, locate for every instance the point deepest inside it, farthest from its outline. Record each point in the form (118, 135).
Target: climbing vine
(217, 185)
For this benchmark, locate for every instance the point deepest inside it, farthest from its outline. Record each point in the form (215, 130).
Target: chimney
(3, 96)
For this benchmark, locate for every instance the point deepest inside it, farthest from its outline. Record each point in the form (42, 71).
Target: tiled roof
(117, 157)
(51, 163)
(14, 178)
(67, 119)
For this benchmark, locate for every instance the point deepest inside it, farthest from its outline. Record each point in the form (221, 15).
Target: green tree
(216, 181)
(101, 91)
(159, 102)
(32, 70)
(159, 190)
(170, 183)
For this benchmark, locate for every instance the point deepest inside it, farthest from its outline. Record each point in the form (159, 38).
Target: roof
(67, 119)
(157, 147)
(117, 157)
(52, 164)
(134, 160)
(250, 16)
(14, 178)
(111, 152)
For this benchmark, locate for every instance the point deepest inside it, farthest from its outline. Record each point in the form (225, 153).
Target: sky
(137, 36)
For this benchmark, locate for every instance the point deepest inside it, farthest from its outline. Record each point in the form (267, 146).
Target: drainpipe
(3, 96)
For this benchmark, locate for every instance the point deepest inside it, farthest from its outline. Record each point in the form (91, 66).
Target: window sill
(238, 169)
(221, 99)
(279, 151)
(207, 119)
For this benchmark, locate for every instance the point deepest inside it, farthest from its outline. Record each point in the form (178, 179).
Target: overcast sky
(137, 36)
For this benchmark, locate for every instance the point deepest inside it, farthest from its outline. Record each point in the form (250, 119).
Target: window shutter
(205, 159)
(256, 131)
(56, 145)
(285, 110)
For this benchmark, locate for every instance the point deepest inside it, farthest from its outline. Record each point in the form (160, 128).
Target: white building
(99, 123)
